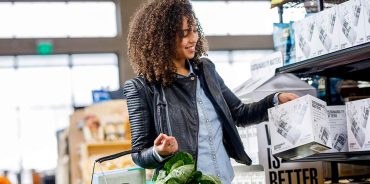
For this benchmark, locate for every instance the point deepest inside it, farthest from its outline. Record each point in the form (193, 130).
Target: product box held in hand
(358, 125)
(338, 127)
(299, 128)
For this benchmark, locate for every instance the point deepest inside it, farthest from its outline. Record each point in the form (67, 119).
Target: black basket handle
(111, 157)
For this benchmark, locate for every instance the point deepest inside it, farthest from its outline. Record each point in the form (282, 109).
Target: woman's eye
(185, 32)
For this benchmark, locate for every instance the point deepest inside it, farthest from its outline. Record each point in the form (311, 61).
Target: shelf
(351, 63)
(296, 3)
(358, 157)
(108, 144)
(106, 147)
(251, 168)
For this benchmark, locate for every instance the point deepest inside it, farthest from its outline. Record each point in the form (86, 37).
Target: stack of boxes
(340, 27)
(306, 126)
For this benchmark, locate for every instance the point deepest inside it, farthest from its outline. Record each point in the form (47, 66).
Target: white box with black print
(358, 125)
(366, 5)
(352, 23)
(303, 33)
(299, 128)
(326, 39)
(338, 127)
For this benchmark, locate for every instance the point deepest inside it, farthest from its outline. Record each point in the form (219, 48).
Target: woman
(179, 102)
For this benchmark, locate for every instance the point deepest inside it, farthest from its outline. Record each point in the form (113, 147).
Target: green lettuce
(180, 169)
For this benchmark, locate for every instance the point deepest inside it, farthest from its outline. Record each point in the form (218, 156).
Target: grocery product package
(299, 128)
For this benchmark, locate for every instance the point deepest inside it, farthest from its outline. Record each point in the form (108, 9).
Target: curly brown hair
(152, 37)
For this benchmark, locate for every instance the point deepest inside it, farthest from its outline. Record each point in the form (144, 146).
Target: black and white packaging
(366, 5)
(328, 28)
(299, 128)
(338, 127)
(352, 22)
(304, 34)
(358, 126)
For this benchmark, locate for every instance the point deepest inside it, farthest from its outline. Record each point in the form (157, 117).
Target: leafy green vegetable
(161, 176)
(180, 169)
(176, 165)
(172, 181)
(185, 157)
(181, 174)
(194, 177)
(205, 179)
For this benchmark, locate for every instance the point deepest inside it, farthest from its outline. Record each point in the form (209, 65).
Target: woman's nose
(193, 36)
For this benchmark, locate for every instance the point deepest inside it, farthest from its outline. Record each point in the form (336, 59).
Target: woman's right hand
(165, 145)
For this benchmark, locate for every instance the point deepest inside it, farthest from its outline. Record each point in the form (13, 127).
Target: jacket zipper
(196, 105)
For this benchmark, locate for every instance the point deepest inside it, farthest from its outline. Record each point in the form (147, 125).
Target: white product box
(352, 23)
(299, 128)
(328, 30)
(358, 125)
(338, 127)
(366, 5)
(304, 32)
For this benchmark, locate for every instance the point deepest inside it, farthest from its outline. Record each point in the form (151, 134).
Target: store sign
(44, 47)
(262, 70)
(266, 66)
(277, 172)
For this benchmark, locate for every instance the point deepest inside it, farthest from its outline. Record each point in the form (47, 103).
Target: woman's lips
(191, 49)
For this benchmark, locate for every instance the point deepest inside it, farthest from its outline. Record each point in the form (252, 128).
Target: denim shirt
(212, 156)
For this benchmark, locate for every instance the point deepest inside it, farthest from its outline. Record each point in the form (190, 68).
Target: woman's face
(186, 41)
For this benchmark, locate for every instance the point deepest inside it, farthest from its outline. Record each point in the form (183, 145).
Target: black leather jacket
(147, 110)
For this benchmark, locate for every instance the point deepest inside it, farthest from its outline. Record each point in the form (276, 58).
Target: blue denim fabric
(212, 156)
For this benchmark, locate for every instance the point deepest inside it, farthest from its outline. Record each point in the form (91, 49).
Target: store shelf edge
(328, 61)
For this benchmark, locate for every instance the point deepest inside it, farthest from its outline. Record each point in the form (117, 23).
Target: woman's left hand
(286, 97)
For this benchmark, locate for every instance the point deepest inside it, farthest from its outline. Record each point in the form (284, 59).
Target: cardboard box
(299, 128)
(358, 125)
(338, 127)
(352, 23)
(366, 5)
(328, 30)
(304, 32)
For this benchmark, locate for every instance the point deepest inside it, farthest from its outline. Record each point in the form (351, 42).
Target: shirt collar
(191, 70)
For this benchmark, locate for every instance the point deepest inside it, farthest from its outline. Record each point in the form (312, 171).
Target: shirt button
(218, 175)
(207, 121)
(192, 78)
(200, 102)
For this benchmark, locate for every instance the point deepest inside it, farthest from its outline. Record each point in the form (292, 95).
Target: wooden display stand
(82, 153)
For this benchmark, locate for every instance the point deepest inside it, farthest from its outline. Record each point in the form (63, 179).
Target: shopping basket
(134, 175)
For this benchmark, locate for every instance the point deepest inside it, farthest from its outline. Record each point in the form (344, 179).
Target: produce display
(180, 169)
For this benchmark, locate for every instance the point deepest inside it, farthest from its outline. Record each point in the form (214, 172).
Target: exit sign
(44, 47)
